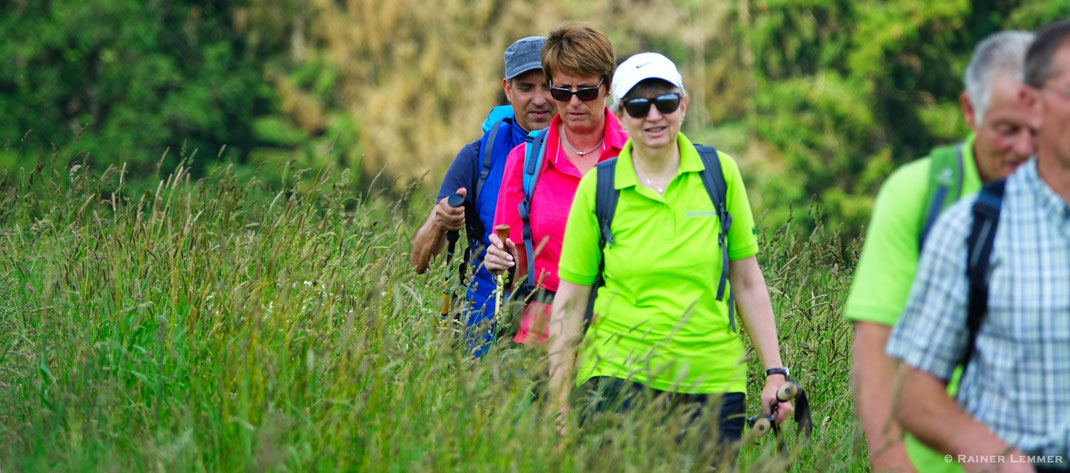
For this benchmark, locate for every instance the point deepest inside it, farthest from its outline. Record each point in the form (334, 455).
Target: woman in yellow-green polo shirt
(658, 325)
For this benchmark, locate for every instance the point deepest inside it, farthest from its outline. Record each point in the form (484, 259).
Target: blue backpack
(499, 117)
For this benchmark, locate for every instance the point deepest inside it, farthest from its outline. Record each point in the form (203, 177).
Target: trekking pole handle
(787, 391)
(762, 424)
(455, 200)
(502, 231)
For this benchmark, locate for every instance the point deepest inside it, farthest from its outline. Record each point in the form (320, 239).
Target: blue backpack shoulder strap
(713, 179)
(979, 243)
(945, 180)
(534, 154)
(486, 160)
(605, 205)
(496, 115)
(473, 225)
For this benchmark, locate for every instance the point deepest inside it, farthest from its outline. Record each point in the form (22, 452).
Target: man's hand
(449, 218)
(431, 237)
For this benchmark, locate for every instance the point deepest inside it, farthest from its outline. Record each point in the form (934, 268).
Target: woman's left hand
(773, 382)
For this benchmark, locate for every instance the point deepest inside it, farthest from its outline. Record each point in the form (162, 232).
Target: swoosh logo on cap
(637, 66)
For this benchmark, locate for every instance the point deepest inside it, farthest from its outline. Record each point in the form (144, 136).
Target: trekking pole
(804, 424)
(762, 424)
(455, 200)
(503, 232)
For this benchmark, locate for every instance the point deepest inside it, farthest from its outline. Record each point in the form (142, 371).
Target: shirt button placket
(670, 226)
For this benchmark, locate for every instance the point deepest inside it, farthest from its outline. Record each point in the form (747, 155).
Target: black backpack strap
(605, 199)
(473, 226)
(605, 205)
(979, 243)
(713, 180)
(534, 151)
(940, 189)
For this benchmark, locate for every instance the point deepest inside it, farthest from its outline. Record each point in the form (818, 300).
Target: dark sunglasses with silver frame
(585, 94)
(639, 107)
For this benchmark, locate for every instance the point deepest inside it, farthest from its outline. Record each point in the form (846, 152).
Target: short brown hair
(577, 48)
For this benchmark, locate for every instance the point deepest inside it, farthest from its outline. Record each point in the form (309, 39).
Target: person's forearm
(756, 316)
(562, 351)
(566, 318)
(872, 377)
(561, 361)
(926, 411)
(756, 311)
(760, 326)
(428, 242)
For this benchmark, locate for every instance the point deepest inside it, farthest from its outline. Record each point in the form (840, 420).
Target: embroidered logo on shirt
(701, 213)
(944, 177)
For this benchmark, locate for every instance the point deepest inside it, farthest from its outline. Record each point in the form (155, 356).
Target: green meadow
(228, 324)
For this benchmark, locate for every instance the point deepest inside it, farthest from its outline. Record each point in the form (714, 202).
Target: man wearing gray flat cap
(475, 175)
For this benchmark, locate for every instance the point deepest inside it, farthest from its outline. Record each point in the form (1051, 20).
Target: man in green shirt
(907, 202)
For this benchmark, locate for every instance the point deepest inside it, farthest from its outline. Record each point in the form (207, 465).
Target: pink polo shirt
(550, 204)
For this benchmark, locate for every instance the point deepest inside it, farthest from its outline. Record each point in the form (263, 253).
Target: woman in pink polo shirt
(578, 62)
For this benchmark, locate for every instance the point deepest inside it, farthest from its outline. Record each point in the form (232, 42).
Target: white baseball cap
(641, 67)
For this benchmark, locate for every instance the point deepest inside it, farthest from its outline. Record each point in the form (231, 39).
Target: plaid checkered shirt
(1018, 380)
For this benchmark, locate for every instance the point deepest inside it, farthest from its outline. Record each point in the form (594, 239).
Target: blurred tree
(846, 91)
(140, 76)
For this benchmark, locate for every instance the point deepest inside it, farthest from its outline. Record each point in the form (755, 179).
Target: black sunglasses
(666, 103)
(585, 94)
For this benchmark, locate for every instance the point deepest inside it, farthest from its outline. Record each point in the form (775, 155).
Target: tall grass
(222, 324)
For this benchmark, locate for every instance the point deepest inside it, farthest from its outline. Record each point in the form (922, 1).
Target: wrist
(437, 227)
(778, 371)
(978, 440)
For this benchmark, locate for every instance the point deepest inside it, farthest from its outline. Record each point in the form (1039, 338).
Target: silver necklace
(650, 183)
(578, 152)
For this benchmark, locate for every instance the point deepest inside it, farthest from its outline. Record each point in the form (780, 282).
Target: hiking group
(961, 297)
(634, 252)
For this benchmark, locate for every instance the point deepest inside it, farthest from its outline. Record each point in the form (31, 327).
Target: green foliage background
(818, 99)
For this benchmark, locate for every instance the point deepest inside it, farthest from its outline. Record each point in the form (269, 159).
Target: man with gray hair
(906, 207)
(992, 294)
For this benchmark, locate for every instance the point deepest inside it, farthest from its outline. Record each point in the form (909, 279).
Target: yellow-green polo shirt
(657, 319)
